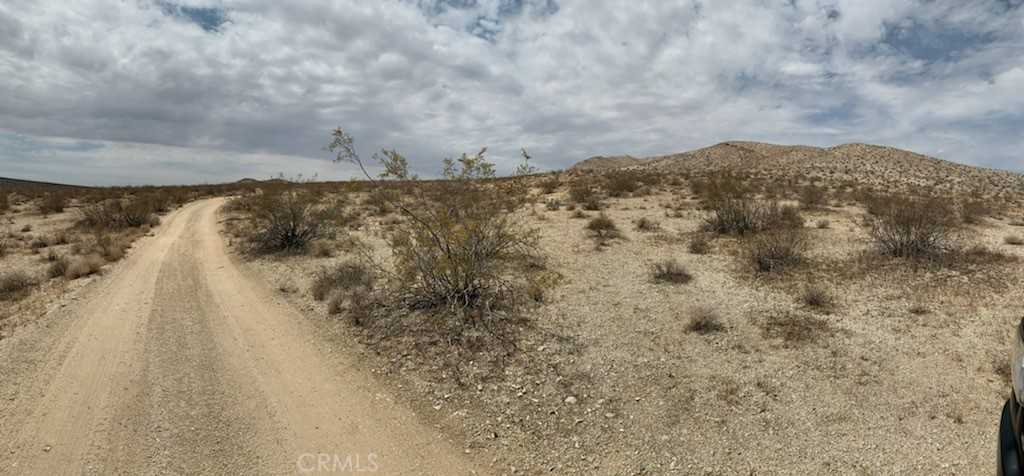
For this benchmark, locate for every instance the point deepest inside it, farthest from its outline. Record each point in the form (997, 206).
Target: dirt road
(178, 362)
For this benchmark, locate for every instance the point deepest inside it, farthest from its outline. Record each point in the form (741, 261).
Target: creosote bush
(920, 229)
(670, 271)
(743, 216)
(602, 228)
(777, 251)
(458, 246)
(82, 266)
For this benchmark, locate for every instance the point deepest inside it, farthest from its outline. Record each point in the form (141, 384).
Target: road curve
(180, 363)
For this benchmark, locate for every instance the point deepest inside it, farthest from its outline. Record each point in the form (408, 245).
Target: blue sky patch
(210, 19)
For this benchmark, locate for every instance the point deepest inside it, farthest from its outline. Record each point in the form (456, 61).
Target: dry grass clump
(552, 204)
(743, 216)
(823, 224)
(82, 266)
(550, 185)
(670, 271)
(704, 320)
(1014, 240)
(117, 214)
(59, 265)
(647, 225)
(699, 244)
(919, 229)
(817, 297)
(795, 328)
(14, 285)
(343, 277)
(777, 251)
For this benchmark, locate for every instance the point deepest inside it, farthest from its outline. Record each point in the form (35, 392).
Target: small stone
(571, 400)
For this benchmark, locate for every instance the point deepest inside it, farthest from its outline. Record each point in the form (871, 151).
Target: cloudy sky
(172, 91)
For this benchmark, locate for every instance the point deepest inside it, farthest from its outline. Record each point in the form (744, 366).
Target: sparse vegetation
(699, 244)
(742, 216)
(647, 225)
(670, 271)
(795, 328)
(59, 265)
(83, 266)
(777, 251)
(921, 229)
(817, 297)
(287, 222)
(14, 285)
(603, 229)
(704, 320)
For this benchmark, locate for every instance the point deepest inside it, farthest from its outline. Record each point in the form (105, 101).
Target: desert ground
(640, 332)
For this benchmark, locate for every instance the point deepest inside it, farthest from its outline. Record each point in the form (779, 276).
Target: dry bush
(777, 251)
(321, 249)
(973, 212)
(795, 328)
(14, 285)
(550, 185)
(812, 197)
(59, 265)
(1015, 240)
(53, 202)
(817, 297)
(578, 214)
(670, 271)
(648, 225)
(621, 183)
(699, 244)
(82, 266)
(920, 229)
(552, 204)
(5, 202)
(343, 277)
(380, 200)
(704, 320)
(720, 187)
(742, 216)
(602, 228)
(286, 222)
(458, 248)
(823, 224)
(117, 214)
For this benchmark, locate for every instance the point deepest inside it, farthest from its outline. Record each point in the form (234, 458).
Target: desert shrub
(621, 183)
(704, 320)
(646, 224)
(552, 204)
(550, 184)
(777, 250)
(5, 202)
(823, 224)
(1015, 240)
(699, 244)
(670, 271)
(53, 202)
(603, 228)
(458, 247)
(578, 214)
(286, 222)
(812, 197)
(14, 285)
(38, 243)
(720, 187)
(380, 200)
(795, 328)
(26, 229)
(593, 204)
(914, 228)
(973, 211)
(82, 266)
(116, 214)
(816, 296)
(582, 191)
(58, 266)
(742, 216)
(343, 277)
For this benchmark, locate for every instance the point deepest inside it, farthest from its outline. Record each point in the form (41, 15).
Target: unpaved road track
(180, 363)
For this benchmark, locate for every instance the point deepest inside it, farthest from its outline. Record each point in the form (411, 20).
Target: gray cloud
(198, 90)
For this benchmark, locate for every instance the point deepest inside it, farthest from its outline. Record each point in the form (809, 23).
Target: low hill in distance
(849, 165)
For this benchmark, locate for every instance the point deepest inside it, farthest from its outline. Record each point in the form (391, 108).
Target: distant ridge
(847, 165)
(21, 183)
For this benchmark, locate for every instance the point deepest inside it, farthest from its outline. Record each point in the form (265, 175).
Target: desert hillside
(849, 165)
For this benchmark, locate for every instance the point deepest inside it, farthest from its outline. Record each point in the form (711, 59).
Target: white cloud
(566, 79)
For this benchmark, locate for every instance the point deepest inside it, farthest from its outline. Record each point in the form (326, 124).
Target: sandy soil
(178, 362)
